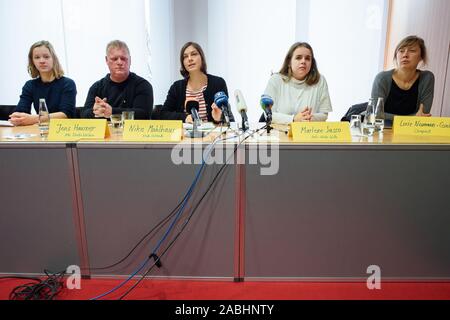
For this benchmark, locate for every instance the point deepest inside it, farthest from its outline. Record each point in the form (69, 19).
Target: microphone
(242, 109)
(266, 104)
(221, 101)
(192, 108)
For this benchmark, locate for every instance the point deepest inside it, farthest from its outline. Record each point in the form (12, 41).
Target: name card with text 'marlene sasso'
(78, 129)
(417, 129)
(320, 132)
(153, 130)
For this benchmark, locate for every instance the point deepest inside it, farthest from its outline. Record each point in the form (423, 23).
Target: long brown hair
(58, 72)
(313, 76)
(197, 47)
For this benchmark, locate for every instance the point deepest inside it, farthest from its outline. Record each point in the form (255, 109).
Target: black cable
(46, 289)
(188, 219)
(20, 277)
(158, 226)
(176, 236)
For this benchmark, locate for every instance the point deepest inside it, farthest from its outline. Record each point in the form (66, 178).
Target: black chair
(355, 109)
(156, 112)
(5, 111)
(78, 112)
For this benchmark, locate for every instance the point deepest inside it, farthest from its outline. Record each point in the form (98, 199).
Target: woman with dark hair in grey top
(405, 89)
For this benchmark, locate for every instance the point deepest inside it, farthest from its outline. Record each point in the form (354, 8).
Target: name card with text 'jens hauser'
(78, 129)
(320, 132)
(153, 130)
(429, 127)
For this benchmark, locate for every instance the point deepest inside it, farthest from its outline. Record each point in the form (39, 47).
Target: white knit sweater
(294, 96)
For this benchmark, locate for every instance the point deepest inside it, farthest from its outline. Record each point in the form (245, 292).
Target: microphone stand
(225, 117)
(245, 126)
(268, 122)
(195, 132)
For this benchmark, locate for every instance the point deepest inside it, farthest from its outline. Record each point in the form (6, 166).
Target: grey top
(383, 82)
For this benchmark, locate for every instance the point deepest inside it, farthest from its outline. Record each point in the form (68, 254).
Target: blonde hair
(57, 70)
(411, 41)
(117, 44)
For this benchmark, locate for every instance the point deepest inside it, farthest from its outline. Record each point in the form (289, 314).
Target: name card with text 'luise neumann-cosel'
(78, 129)
(427, 129)
(153, 130)
(320, 132)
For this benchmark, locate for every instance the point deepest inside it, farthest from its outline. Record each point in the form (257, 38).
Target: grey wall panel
(333, 213)
(36, 219)
(127, 191)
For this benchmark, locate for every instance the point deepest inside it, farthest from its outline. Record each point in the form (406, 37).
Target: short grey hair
(117, 44)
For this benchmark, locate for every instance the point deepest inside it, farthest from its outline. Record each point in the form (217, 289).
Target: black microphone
(221, 101)
(192, 107)
(242, 109)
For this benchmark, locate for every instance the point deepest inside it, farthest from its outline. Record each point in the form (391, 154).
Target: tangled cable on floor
(46, 289)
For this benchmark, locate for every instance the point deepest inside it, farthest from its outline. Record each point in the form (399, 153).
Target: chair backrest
(5, 111)
(156, 112)
(355, 109)
(78, 112)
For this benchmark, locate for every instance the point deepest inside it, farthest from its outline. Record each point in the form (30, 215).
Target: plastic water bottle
(44, 118)
(369, 118)
(379, 115)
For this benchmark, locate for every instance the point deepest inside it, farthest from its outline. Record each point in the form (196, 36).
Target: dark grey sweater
(383, 82)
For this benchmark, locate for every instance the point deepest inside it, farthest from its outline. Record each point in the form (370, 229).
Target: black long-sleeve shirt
(59, 96)
(173, 108)
(134, 94)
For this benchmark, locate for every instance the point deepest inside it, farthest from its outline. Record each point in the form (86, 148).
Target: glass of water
(379, 125)
(355, 124)
(116, 121)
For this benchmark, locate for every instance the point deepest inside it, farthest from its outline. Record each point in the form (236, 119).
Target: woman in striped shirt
(197, 85)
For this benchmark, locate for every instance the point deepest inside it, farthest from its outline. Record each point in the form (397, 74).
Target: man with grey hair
(120, 90)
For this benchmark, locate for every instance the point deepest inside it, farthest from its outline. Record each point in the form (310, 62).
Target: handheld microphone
(266, 104)
(221, 101)
(242, 109)
(192, 108)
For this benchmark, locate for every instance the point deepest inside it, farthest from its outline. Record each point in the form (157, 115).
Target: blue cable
(180, 211)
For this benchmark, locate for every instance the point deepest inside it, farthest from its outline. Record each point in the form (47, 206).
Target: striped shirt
(198, 96)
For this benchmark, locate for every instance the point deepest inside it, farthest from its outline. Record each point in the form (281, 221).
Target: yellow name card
(320, 132)
(421, 126)
(153, 130)
(78, 129)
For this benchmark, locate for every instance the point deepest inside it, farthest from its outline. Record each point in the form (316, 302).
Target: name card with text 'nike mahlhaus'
(78, 129)
(153, 130)
(320, 132)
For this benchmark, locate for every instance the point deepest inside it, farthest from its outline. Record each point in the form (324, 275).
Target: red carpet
(216, 290)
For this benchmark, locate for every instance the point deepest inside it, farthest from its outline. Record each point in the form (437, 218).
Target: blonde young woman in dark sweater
(406, 90)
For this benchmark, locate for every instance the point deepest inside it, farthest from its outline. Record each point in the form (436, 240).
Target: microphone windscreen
(266, 101)
(221, 99)
(192, 104)
(240, 101)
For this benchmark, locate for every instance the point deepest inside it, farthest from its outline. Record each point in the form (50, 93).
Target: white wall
(78, 30)
(163, 61)
(23, 22)
(247, 41)
(348, 38)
